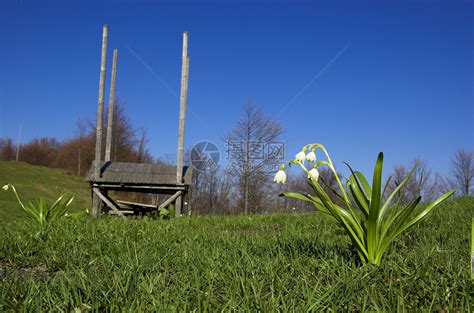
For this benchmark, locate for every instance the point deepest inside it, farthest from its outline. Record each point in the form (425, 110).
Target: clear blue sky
(360, 77)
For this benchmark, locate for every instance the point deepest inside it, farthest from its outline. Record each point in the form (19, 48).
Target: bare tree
(40, 151)
(212, 191)
(124, 136)
(398, 174)
(419, 183)
(423, 183)
(249, 164)
(462, 172)
(143, 155)
(76, 154)
(7, 150)
(80, 134)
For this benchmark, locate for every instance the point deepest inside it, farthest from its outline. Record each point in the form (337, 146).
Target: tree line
(243, 184)
(76, 154)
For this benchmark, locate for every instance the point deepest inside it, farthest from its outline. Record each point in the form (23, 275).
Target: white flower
(5, 187)
(311, 157)
(280, 177)
(313, 174)
(300, 157)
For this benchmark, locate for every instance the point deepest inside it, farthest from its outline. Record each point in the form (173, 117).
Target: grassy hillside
(36, 181)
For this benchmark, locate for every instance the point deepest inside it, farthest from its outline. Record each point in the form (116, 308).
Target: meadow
(274, 262)
(33, 182)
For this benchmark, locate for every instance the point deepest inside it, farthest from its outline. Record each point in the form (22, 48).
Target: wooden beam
(100, 113)
(129, 203)
(108, 201)
(170, 199)
(110, 117)
(143, 187)
(123, 212)
(182, 117)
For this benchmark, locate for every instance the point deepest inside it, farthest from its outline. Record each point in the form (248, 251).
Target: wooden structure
(105, 175)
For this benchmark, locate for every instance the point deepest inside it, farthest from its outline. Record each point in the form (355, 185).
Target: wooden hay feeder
(105, 175)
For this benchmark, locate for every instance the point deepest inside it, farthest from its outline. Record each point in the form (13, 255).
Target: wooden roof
(138, 173)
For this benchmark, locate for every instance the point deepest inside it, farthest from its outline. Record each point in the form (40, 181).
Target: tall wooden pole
(100, 116)
(110, 120)
(182, 119)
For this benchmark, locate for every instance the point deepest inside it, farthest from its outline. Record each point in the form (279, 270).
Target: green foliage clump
(42, 213)
(35, 182)
(371, 223)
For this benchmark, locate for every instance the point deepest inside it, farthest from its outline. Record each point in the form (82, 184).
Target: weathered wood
(182, 118)
(123, 212)
(100, 113)
(170, 199)
(180, 200)
(136, 173)
(96, 203)
(110, 117)
(108, 201)
(146, 178)
(142, 188)
(130, 203)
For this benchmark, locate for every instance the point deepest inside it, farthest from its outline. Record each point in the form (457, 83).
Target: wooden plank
(110, 117)
(100, 112)
(108, 201)
(123, 212)
(152, 174)
(144, 187)
(170, 199)
(137, 204)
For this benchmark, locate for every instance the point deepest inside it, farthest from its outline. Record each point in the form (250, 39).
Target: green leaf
(402, 225)
(365, 185)
(360, 192)
(392, 195)
(352, 227)
(357, 195)
(386, 186)
(399, 216)
(422, 215)
(334, 191)
(372, 226)
(314, 200)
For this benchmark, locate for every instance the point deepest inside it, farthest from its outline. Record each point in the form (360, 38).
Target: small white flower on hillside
(300, 157)
(280, 177)
(311, 157)
(313, 174)
(5, 187)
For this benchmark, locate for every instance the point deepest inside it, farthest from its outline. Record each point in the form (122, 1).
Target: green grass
(34, 181)
(257, 263)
